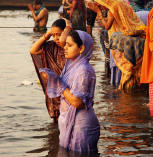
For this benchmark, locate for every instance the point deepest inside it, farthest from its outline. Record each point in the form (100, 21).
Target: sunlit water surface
(25, 126)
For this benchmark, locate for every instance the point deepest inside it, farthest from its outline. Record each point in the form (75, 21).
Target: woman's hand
(47, 35)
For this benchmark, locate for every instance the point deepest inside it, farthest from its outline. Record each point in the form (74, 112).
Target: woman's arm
(106, 22)
(65, 33)
(73, 100)
(36, 48)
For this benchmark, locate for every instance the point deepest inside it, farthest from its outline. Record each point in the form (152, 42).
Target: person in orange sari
(120, 18)
(147, 63)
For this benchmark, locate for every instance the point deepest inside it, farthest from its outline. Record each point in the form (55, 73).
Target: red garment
(151, 98)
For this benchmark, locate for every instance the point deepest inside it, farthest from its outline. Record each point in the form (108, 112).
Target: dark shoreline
(22, 4)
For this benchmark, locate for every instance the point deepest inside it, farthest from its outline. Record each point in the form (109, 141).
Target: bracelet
(69, 27)
(44, 37)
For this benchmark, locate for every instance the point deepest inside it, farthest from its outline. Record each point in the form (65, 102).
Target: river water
(26, 129)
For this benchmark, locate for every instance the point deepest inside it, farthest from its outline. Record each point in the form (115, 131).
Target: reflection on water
(25, 126)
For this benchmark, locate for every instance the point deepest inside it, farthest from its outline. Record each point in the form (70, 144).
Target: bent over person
(39, 15)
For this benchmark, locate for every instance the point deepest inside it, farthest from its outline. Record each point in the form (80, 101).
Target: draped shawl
(125, 18)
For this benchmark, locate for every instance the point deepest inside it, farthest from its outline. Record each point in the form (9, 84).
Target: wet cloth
(53, 58)
(147, 63)
(127, 52)
(39, 29)
(79, 128)
(132, 47)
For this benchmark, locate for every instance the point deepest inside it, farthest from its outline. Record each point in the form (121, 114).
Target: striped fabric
(151, 98)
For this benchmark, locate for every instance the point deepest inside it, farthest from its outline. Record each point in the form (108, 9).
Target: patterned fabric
(132, 47)
(151, 98)
(130, 74)
(125, 18)
(147, 64)
(53, 58)
(79, 128)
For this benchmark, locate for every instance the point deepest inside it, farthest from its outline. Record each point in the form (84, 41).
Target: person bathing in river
(50, 54)
(78, 124)
(39, 15)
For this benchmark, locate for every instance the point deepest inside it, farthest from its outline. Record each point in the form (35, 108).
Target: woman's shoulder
(85, 69)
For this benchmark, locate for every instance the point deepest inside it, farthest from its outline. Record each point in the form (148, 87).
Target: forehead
(55, 29)
(70, 40)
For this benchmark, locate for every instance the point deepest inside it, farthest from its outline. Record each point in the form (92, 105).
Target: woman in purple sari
(78, 125)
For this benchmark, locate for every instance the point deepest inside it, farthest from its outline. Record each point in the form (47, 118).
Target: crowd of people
(65, 73)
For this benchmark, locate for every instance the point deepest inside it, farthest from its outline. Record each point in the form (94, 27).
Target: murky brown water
(25, 127)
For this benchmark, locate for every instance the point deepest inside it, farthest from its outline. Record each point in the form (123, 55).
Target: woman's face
(71, 49)
(56, 33)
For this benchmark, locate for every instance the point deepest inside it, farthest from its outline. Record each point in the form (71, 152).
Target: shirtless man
(40, 15)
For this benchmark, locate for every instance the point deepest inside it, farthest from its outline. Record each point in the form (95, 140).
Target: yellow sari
(127, 22)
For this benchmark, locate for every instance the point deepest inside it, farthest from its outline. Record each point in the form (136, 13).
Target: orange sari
(147, 63)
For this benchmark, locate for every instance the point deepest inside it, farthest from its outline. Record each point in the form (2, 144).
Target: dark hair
(37, 2)
(76, 37)
(59, 23)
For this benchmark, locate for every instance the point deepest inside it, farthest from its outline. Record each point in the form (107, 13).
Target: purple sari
(79, 128)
